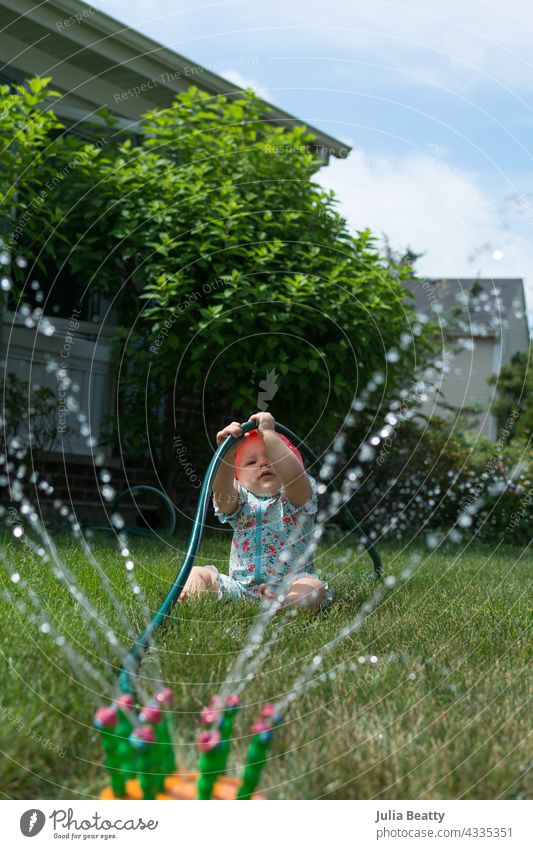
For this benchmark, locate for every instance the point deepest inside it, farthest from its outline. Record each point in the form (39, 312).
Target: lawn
(441, 714)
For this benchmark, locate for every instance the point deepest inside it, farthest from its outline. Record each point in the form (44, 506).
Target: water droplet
(366, 453)
(117, 520)
(464, 520)
(15, 577)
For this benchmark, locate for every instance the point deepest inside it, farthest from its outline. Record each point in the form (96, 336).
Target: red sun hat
(253, 434)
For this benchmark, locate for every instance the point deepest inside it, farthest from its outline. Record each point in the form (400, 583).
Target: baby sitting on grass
(262, 490)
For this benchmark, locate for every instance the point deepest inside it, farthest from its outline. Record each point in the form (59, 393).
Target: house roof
(93, 59)
(472, 306)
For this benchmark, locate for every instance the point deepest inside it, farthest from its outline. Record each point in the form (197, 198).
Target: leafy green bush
(514, 391)
(29, 417)
(225, 262)
(430, 481)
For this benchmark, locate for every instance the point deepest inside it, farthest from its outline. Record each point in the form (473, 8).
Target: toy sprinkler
(139, 758)
(136, 739)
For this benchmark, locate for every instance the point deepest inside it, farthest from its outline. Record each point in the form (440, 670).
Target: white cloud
(420, 201)
(452, 43)
(241, 81)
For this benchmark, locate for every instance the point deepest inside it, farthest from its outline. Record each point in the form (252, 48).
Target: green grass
(442, 714)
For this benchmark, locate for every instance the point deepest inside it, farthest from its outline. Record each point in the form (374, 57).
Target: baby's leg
(201, 580)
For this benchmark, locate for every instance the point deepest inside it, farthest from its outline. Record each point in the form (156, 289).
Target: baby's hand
(233, 429)
(265, 421)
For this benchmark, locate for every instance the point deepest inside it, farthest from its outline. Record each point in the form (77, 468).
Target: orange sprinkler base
(182, 787)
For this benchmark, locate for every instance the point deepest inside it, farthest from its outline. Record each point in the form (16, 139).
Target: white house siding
(514, 334)
(88, 364)
(466, 383)
(493, 319)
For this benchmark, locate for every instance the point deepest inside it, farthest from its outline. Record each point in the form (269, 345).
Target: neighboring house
(485, 323)
(96, 61)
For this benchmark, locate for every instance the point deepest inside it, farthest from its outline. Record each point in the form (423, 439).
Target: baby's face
(254, 469)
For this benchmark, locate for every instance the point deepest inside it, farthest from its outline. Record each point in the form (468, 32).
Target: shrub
(226, 263)
(431, 482)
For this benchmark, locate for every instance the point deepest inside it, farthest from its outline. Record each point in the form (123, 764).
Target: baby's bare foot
(265, 592)
(271, 595)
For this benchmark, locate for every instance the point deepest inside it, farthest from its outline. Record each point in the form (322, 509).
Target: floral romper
(269, 542)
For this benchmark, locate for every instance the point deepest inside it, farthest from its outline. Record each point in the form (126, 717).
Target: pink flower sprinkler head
(144, 733)
(152, 714)
(208, 716)
(259, 727)
(125, 702)
(165, 697)
(106, 717)
(207, 740)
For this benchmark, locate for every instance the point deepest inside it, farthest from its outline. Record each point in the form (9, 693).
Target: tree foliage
(514, 392)
(225, 262)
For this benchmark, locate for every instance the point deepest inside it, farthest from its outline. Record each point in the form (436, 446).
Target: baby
(263, 491)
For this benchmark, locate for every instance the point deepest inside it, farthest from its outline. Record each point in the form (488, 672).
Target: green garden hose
(137, 651)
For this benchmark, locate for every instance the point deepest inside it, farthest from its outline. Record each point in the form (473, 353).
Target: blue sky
(435, 98)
